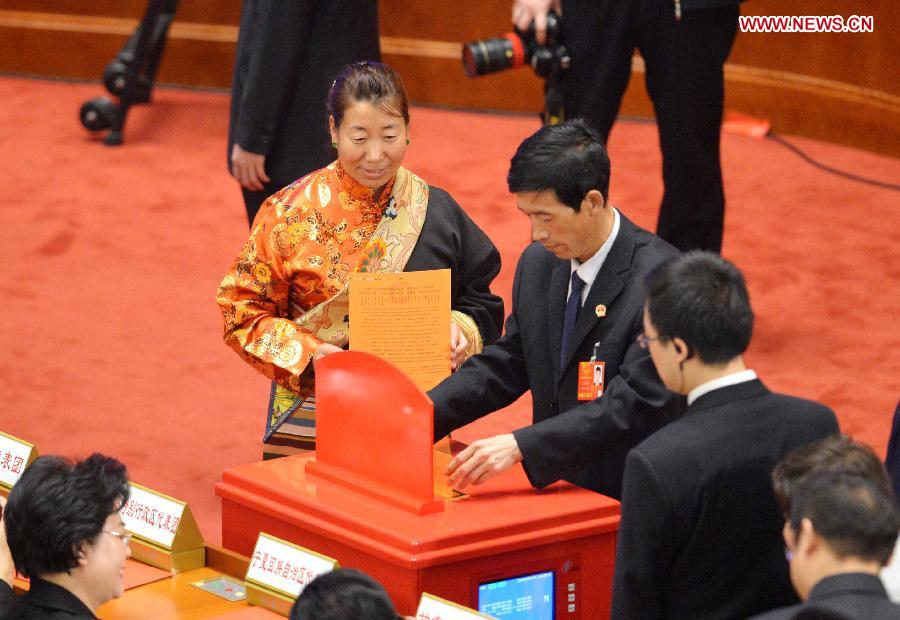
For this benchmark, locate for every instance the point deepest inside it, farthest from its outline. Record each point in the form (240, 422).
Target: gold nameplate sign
(279, 571)
(165, 533)
(435, 608)
(15, 456)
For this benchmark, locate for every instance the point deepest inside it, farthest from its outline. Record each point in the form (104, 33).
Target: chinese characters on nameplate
(152, 516)
(165, 532)
(283, 567)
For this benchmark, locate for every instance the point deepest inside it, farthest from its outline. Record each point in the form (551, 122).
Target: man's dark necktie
(573, 306)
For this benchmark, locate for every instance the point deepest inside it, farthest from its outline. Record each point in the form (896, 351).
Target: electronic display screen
(529, 597)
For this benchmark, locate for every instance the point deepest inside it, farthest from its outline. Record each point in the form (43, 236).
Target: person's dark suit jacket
(46, 601)
(7, 598)
(892, 459)
(855, 596)
(700, 535)
(288, 54)
(585, 444)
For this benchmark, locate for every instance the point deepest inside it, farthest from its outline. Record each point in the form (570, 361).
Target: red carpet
(112, 340)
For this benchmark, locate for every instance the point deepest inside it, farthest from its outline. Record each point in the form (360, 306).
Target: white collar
(589, 269)
(734, 378)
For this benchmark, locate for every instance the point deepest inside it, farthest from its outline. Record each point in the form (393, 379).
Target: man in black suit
(700, 535)
(684, 45)
(556, 337)
(288, 54)
(836, 454)
(840, 533)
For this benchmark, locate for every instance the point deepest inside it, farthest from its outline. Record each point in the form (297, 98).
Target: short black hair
(56, 506)
(837, 454)
(701, 298)
(343, 593)
(856, 517)
(568, 159)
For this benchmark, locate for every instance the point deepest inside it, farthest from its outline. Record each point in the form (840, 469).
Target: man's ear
(593, 200)
(808, 540)
(787, 532)
(682, 350)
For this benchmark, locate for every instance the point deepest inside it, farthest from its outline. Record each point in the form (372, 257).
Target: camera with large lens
(517, 48)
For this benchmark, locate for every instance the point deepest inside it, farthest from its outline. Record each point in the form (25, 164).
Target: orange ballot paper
(405, 319)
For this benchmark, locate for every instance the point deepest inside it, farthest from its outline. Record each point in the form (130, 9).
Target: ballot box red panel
(384, 409)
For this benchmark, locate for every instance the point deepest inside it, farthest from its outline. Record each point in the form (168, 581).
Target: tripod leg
(161, 31)
(134, 90)
(115, 135)
(553, 113)
(131, 74)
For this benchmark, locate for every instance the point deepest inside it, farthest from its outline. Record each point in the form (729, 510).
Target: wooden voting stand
(174, 597)
(366, 498)
(171, 596)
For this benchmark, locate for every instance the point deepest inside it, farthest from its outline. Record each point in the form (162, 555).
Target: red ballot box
(361, 499)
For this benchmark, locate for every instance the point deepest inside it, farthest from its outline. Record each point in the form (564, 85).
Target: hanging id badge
(591, 377)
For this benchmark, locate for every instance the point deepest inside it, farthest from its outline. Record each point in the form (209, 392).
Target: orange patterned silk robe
(305, 241)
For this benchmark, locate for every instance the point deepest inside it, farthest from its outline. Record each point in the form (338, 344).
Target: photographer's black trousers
(684, 60)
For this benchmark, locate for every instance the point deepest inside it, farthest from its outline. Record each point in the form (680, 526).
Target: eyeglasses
(125, 537)
(644, 340)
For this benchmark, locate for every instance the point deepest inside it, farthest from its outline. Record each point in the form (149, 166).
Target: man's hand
(523, 11)
(483, 460)
(324, 349)
(249, 169)
(458, 345)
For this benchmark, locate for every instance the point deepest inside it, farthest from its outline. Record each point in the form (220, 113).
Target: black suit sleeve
(892, 459)
(279, 29)
(485, 382)
(644, 550)
(634, 404)
(7, 597)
